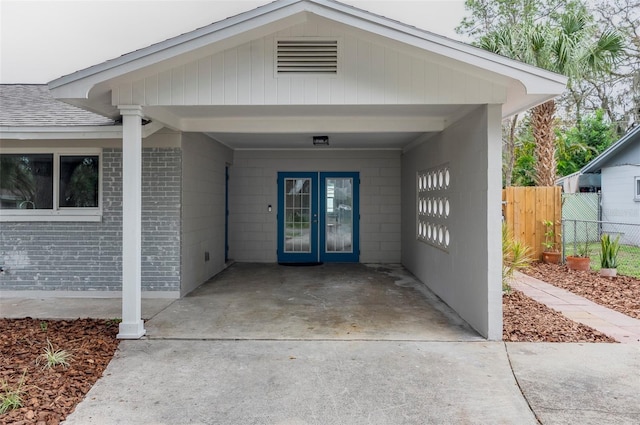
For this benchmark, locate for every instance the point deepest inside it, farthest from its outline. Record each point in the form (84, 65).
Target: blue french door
(318, 217)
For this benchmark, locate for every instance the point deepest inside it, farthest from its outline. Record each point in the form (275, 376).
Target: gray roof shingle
(31, 105)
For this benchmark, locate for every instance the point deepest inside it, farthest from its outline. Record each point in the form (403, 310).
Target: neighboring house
(618, 169)
(212, 146)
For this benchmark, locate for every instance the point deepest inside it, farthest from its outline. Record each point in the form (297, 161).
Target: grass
(628, 259)
(11, 398)
(113, 322)
(53, 357)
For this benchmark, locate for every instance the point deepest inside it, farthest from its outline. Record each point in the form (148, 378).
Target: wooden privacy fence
(525, 208)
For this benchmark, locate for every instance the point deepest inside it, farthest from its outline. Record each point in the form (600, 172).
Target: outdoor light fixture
(321, 140)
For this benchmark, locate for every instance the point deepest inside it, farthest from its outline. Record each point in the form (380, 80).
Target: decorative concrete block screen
(434, 206)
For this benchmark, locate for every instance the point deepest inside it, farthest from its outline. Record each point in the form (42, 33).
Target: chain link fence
(579, 236)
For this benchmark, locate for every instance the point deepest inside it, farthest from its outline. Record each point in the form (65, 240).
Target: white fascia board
(537, 80)
(78, 84)
(511, 108)
(80, 132)
(72, 133)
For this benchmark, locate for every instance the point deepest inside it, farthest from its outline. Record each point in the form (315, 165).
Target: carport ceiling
(305, 140)
(293, 127)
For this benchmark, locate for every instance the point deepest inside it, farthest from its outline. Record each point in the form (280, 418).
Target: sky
(43, 40)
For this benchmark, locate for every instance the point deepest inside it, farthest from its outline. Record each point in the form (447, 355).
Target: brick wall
(74, 256)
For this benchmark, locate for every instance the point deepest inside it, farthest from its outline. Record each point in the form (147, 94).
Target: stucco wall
(76, 256)
(467, 275)
(253, 186)
(203, 208)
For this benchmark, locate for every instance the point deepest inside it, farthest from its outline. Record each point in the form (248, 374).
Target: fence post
(575, 232)
(564, 241)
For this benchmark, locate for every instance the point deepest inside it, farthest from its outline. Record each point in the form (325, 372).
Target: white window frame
(57, 213)
(636, 188)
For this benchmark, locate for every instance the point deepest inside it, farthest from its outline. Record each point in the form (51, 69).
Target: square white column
(494, 222)
(132, 325)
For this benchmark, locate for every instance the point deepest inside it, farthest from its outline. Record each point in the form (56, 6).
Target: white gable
(382, 62)
(370, 71)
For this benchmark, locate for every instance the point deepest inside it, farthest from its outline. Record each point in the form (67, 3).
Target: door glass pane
(297, 223)
(339, 214)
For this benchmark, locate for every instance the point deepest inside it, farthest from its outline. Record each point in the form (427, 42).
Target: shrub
(515, 255)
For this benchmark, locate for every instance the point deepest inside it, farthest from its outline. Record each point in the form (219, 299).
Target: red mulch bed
(49, 395)
(621, 293)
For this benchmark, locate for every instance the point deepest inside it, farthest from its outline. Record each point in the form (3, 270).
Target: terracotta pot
(608, 272)
(579, 263)
(551, 257)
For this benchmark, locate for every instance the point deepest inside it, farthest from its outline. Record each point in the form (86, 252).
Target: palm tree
(569, 47)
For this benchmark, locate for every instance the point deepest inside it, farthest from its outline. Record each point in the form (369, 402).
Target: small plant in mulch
(53, 357)
(113, 322)
(11, 397)
(515, 256)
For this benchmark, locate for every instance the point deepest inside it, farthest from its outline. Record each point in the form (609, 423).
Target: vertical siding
(370, 72)
(253, 186)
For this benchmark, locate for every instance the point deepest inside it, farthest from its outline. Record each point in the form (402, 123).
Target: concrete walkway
(621, 327)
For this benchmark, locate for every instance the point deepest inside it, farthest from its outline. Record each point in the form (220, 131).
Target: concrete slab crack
(506, 350)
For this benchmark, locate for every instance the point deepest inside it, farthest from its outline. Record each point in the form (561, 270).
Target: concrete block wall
(467, 276)
(253, 186)
(83, 256)
(203, 209)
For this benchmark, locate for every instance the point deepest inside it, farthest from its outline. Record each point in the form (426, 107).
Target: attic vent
(311, 56)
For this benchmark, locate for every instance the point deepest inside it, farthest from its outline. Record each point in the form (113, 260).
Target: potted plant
(550, 254)
(581, 259)
(609, 255)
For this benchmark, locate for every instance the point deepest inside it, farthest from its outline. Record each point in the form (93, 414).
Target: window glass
(26, 181)
(79, 181)
(638, 187)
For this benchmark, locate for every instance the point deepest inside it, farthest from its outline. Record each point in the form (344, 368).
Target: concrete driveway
(325, 302)
(348, 344)
(177, 382)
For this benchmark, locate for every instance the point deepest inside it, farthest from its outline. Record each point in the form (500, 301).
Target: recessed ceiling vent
(311, 56)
